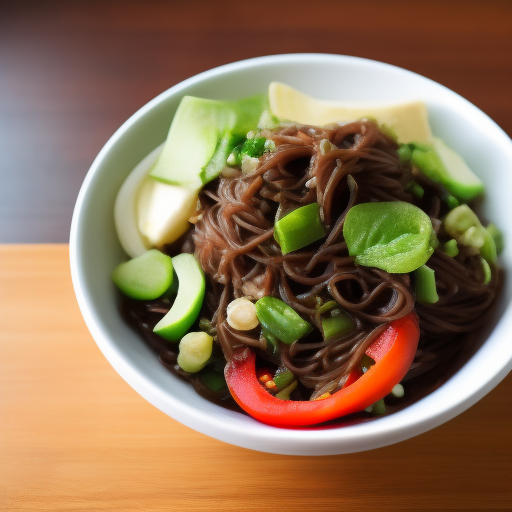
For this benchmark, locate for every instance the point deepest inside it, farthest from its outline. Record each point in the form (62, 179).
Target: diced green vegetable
(451, 201)
(337, 325)
(286, 392)
(281, 320)
(283, 379)
(416, 189)
(497, 236)
(426, 291)
(195, 351)
(463, 224)
(299, 228)
(397, 237)
(253, 147)
(195, 134)
(213, 379)
(445, 166)
(451, 248)
(487, 271)
(378, 408)
(405, 153)
(145, 277)
(186, 307)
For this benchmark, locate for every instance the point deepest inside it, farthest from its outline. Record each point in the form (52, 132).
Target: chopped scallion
(253, 147)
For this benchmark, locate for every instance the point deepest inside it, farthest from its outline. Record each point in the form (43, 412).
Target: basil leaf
(396, 237)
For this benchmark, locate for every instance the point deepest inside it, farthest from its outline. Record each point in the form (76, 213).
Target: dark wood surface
(72, 72)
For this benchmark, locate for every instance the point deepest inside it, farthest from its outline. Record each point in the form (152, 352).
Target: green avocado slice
(201, 130)
(185, 309)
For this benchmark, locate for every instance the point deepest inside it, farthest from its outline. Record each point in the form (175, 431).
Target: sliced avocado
(445, 166)
(185, 309)
(200, 130)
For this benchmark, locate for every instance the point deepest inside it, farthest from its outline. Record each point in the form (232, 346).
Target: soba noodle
(337, 168)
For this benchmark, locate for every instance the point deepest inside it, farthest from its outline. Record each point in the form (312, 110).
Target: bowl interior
(95, 250)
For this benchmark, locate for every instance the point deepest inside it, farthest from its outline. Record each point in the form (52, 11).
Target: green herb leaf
(396, 237)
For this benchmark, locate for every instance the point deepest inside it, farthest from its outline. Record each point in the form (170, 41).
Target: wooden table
(73, 434)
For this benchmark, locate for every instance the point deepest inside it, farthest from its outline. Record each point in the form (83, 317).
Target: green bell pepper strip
(281, 320)
(426, 292)
(337, 325)
(299, 228)
(393, 352)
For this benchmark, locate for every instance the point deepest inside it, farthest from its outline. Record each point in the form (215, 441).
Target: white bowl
(95, 250)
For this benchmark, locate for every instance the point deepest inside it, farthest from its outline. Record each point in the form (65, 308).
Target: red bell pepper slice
(393, 353)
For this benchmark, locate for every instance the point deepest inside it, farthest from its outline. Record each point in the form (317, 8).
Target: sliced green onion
(426, 292)
(337, 325)
(487, 271)
(299, 228)
(281, 320)
(254, 147)
(451, 248)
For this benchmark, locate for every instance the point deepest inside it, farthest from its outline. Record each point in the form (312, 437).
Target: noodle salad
(304, 272)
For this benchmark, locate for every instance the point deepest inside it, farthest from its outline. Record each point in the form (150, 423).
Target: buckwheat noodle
(337, 167)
